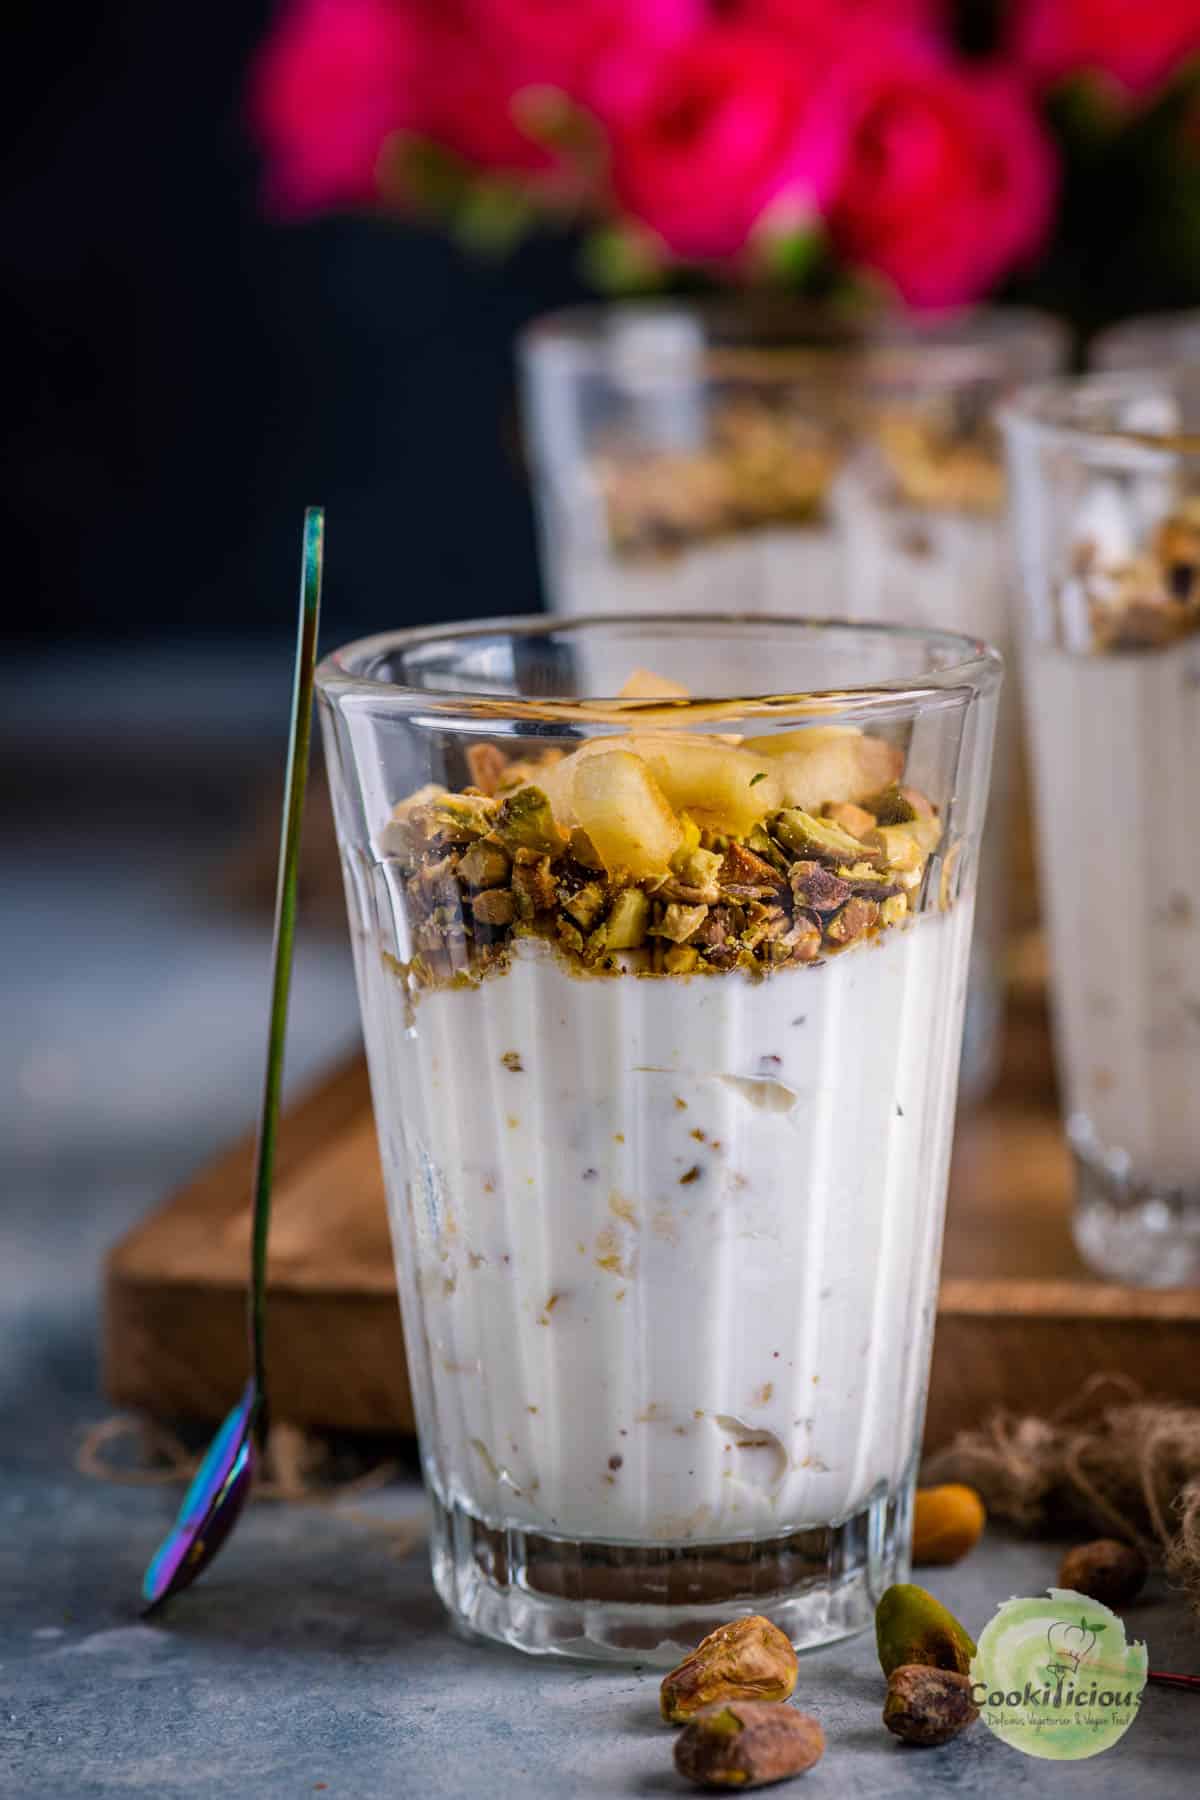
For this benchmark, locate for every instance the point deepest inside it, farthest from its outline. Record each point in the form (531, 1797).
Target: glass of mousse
(1149, 341)
(804, 460)
(662, 982)
(1106, 477)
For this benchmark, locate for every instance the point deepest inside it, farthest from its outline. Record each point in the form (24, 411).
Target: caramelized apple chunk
(625, 813)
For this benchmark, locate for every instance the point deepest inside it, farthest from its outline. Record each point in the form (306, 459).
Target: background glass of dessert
(1106, 499)
(792, 460)
(1150, 341)
(663, 1002)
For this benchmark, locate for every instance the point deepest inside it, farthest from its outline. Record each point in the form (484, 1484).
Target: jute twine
(297, 1467)
(1111, 1460)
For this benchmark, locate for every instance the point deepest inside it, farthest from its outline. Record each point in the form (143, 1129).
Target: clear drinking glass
(1148, 342)
(1106, 485)
(663, 998)
(802, 462)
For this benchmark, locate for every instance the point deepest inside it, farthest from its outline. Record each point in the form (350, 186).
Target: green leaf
(1089, 109)
(434, 176)
(791, 257)
(618, 259)
(551, 117)
(491, 217)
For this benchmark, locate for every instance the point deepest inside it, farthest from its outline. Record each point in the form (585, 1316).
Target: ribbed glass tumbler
(662, 983)
(1106, 480)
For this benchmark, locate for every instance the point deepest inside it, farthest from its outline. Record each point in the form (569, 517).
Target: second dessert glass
(1106, 480)
(1149, 341)
(802, 461)
(663, 998)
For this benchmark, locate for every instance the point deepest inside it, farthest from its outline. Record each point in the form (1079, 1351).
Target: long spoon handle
(285, 931)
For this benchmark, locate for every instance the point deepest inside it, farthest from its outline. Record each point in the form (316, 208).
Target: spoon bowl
(210, 1508)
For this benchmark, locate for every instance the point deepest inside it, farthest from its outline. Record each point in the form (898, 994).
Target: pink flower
(473, 105)
(833, 18)
(950, 180)
(490, 62)
(334, 80)
(732, 128)
(595, 50)
(1139, 43)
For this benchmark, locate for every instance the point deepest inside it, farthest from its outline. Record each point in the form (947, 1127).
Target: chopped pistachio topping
(763, 464)
(646, 889)
(942, 460)
(1146, 601)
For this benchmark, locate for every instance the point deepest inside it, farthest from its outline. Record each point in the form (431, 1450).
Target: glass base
(556, 1596)
(1132, 1231)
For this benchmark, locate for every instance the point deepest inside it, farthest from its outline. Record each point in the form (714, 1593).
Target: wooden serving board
(1020, 1323)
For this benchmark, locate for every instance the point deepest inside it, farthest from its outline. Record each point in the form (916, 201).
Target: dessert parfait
(680, 459)
(663, 1021)
(802, 463)
(1110, 520)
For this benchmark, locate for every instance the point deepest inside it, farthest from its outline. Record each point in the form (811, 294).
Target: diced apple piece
(906, 847)
(854, 819)
(644, 684)
(808, 739)
(558, 781)
(625, 813)
(901, 851)
(828, 765)
(723, 788)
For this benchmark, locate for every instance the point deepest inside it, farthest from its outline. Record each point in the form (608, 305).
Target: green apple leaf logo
(1069, 1644)
(1074, 1705)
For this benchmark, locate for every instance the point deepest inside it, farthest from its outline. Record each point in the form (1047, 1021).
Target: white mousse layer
(1116, 743)
(780, 570)
(668, 1248)
(908, 565)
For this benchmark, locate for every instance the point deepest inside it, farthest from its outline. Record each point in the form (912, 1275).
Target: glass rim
(1175, 331)
(978, 668)
(971, 344)
(1052, 411)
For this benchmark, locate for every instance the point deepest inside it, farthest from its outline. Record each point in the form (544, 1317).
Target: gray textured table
(312, 1658)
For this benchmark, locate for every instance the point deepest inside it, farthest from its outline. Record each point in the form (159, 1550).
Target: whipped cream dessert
(669, 1049)
(1117, 747)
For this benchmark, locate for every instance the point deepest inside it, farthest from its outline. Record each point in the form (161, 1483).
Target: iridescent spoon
(219, 1488)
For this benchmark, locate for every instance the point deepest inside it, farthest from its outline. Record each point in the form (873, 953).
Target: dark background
(185, 374)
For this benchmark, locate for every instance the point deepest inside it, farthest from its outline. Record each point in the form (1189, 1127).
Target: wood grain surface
(1021, 1323)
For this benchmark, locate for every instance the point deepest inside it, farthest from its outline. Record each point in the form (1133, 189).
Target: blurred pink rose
(472, 106)
(1137, 42)
(950, 180)
(731, 128)
(487, 59)
(832, 18)
(331, 83)
(595, 50)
